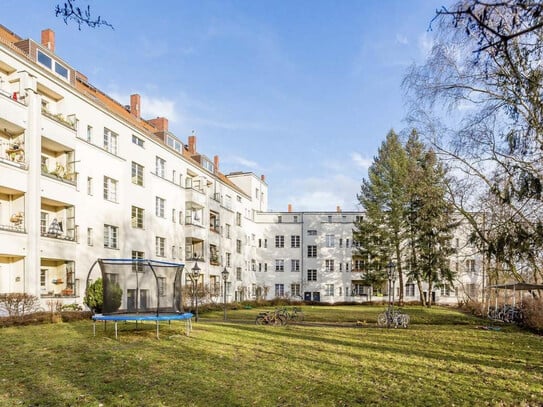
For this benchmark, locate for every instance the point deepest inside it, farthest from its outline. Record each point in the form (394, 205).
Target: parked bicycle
(393, 317)
(292, 314)
(270, 318)
(508, 313)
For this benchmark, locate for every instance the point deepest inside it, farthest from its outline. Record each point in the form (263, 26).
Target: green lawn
(442, 359)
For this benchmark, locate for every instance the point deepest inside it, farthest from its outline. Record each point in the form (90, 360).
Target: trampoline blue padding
(187, 317)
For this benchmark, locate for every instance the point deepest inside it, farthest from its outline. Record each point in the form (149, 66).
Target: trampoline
(187, 317)
(136, 290)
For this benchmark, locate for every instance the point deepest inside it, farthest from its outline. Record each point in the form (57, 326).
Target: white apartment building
(84, 177)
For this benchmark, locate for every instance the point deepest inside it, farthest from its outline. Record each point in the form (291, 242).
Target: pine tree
(380, 232)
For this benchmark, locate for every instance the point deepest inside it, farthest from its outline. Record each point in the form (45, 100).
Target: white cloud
(360, 161)
(237, 160)
(151, 107)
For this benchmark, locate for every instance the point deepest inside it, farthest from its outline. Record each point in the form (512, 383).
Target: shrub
(533, 313)
(18, 304)
(94, 296)
(112, 299)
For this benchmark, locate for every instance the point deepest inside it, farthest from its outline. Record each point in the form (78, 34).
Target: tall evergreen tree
(382, 196)
(408, 219)
(429, 218)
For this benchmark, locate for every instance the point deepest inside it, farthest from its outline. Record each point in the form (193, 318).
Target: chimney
(216, 164)
(48, 39)
(135, 103)
(290, 207)
(192, 144)
(161, 123)
(338, 209)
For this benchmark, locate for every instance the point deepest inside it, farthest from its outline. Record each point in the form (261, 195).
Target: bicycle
(294, 314)
(393, 317)
(270, 318)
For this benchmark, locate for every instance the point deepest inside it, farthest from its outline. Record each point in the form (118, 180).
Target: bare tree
(478, 100)
(82, 16)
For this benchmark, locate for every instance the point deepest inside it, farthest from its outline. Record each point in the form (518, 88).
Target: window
(110, 189)
(347, 242)
(110, 141)
(137, 141)
(359, 265)
(470, 266)
(279, 290)
(61, 70)
(445, 290)
(137, 217)
(173, 215)
(295, 219)
(137, 174)
(159, 207)
(213, 254)
(329, 290)
(295, 241)
(280, 241)
(180, 217)
(329, 240)
(312, 251)
(137, 267)
(295, 290)
(410, 290)
(238, 246)
(329, 265)
(43, 278)
(174, 252)
(160, 243)
(279, 219)
(160, 167)
(90, 237)
(311, 275)
(295, 265)
(44, 222)
(329, 218)
(340, 242)
(45, 60)
(347, 266)
(238, 273)
(110, 236)
(227, 230)
(228, 259)
(89, 134)
(89, 185)
(279, 265)
(312, 232)
(238, 219)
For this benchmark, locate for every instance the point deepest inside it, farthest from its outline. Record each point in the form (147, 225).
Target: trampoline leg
(157, 330)
(115, 329)
(94, 327)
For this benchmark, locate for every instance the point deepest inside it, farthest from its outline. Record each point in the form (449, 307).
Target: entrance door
(316, 296)
(143, 299)
(307, 296)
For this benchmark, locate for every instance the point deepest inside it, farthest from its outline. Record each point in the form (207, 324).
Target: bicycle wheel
(261, 320)
(405, 320)
(382, 319)
(279, 320)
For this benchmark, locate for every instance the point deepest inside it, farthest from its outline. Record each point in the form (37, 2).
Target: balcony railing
(59, 118)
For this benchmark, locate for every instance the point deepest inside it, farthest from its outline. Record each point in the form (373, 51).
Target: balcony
(69, 122)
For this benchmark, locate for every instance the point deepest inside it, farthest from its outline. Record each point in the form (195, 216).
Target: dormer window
(53, 65)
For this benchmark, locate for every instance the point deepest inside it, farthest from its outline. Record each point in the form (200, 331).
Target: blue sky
(303, 92)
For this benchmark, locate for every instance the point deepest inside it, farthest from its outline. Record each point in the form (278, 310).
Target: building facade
(83, 176)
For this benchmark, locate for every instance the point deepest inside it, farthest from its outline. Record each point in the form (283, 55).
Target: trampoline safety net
(138, 286)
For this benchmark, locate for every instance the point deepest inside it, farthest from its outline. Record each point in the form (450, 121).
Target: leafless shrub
(18, 304)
